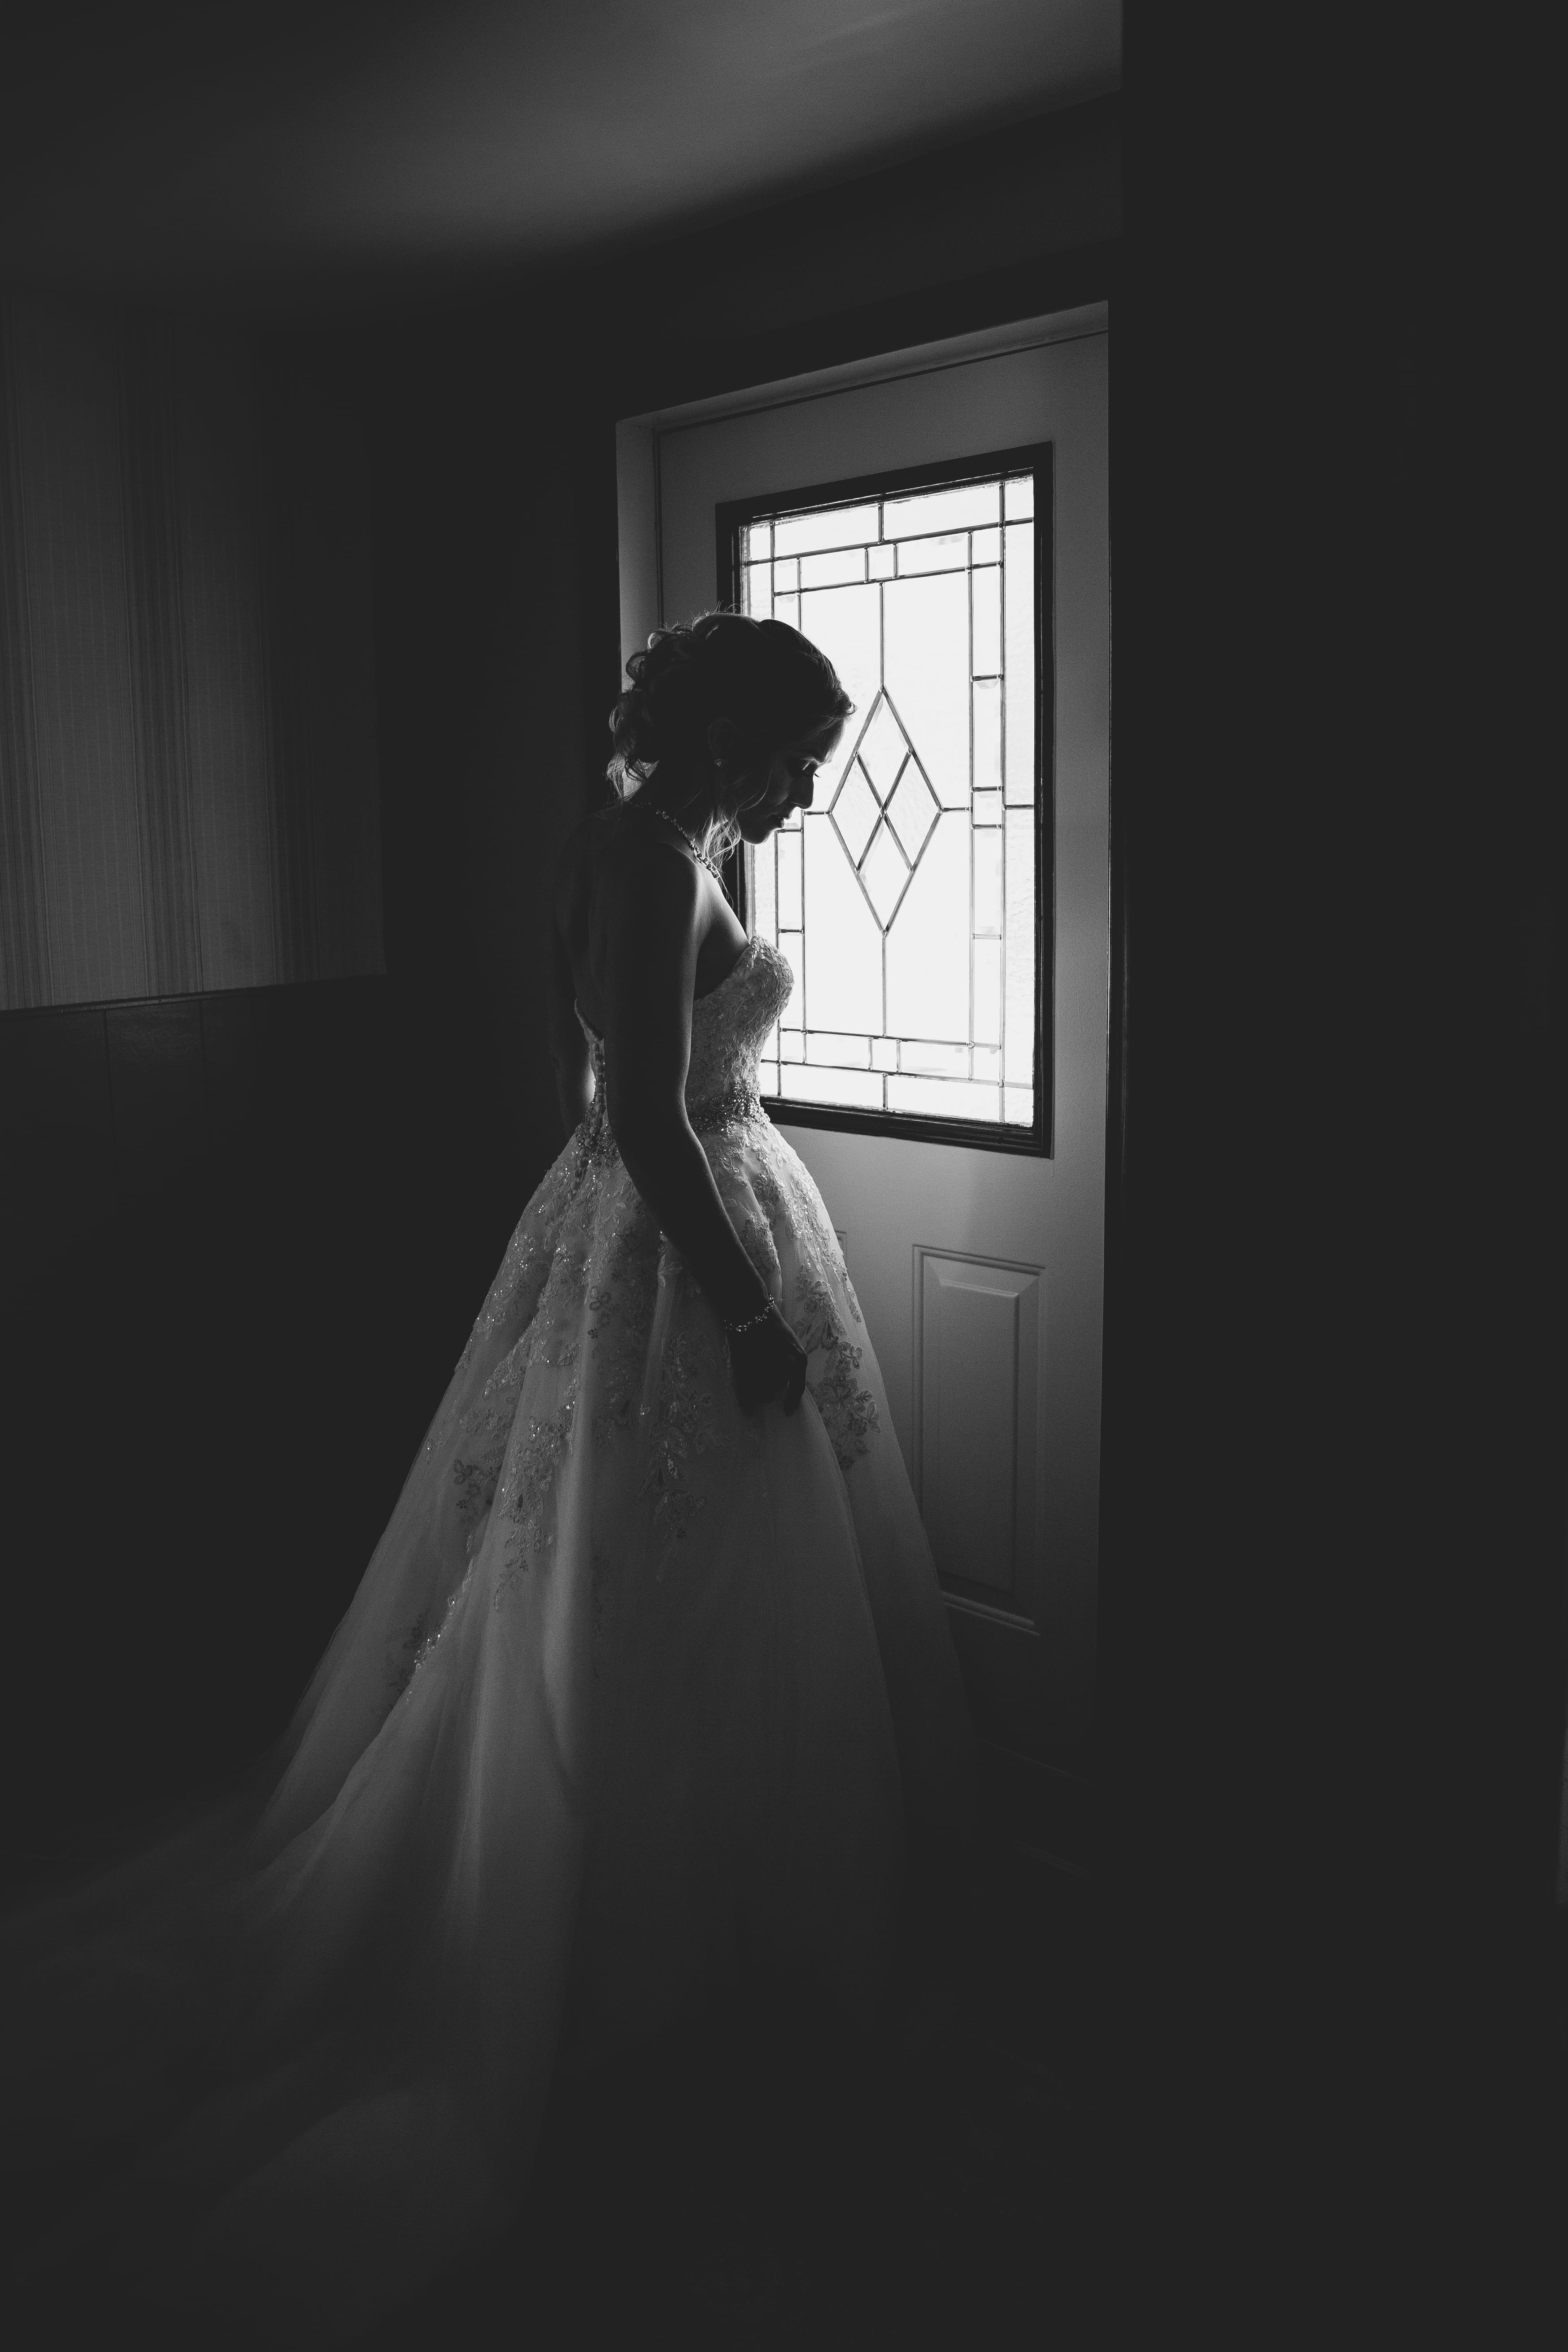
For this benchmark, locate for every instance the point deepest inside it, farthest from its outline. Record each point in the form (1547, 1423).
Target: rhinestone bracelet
(751, 1322)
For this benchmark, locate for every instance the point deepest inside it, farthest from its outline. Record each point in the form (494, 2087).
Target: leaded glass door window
(911, 899)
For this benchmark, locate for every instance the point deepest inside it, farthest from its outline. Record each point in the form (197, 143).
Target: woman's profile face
(786, 782)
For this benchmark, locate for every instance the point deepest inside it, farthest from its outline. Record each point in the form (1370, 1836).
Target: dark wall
(187, 756)
(251, 1263)
(247, 1232)
(482, 577)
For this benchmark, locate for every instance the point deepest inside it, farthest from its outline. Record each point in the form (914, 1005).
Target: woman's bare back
(601, 840)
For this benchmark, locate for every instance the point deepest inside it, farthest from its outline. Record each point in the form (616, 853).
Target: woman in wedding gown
(648, 1681)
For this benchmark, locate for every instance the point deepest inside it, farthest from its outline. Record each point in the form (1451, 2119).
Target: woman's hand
(767, 1360)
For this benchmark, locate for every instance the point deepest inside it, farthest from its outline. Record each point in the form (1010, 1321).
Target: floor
(768, 2185)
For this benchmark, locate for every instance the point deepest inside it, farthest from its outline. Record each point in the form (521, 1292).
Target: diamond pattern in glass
(907, 896)
(886, 874)
(854, 812)
(883, 748)
(913, 811)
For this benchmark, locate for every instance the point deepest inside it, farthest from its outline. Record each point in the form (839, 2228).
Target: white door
(979, 1269)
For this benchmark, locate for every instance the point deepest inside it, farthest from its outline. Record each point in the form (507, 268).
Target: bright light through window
(908, 899)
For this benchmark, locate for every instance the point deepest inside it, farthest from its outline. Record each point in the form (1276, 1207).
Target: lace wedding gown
(637, 1686)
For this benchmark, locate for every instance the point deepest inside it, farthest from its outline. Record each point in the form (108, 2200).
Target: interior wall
(481, 568)
(188, 771)
(207, 1175)
(245, 1278)
(264, 1217)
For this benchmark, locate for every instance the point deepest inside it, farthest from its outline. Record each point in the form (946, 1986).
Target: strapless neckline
(753, 943)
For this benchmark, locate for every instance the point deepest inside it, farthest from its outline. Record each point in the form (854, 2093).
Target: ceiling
(213, 144)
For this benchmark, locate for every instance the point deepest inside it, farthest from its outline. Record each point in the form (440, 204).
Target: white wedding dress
(638, 1688)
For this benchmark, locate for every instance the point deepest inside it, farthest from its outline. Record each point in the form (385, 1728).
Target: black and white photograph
(745, 1083)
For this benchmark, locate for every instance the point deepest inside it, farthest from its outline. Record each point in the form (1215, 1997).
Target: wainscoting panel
(235, 1274)
(977, 1350)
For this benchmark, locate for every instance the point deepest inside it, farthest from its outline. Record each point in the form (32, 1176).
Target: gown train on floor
(638, 1688)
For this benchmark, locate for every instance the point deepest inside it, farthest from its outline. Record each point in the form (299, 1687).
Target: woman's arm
(651, 931)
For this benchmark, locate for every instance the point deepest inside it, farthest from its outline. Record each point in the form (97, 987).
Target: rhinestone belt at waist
(736, 1105)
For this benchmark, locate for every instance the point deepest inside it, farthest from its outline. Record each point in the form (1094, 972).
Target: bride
(648, 1682)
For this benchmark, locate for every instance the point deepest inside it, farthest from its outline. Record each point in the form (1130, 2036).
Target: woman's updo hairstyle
(771, 684)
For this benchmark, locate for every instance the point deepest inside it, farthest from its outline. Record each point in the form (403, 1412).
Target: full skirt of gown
(638, 1689)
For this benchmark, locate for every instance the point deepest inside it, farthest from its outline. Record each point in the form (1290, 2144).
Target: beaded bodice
(728, 1029)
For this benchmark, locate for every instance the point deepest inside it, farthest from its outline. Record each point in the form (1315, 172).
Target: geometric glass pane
(831, 571)
(969, 508)
(847, 623)
(885, 873)
(933, 554)
(764, 891)
(791, 1017)
(854, 812)
(943, 1098)
(927, 947)
(1020, 659)
(988, 623)
(844, 969)
(839, 1051)
(789, 881)
(1018, 1014)
(935, 1061)
(926, 653)
(850, 1089)
(914, 812)
(829, 526)
(988, 992)
(987, 734)
(884, 748)
(988, 883)
(907, 897)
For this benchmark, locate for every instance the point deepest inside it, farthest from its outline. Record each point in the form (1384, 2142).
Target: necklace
(691, 840)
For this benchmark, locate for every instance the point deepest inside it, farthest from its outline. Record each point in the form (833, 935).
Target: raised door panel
(978, 1343)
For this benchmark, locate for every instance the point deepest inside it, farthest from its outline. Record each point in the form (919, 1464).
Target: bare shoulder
(642, 882)
(608, 878)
